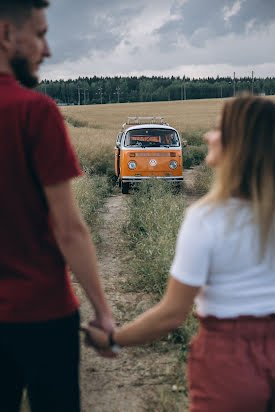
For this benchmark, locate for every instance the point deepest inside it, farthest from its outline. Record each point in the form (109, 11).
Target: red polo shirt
(35, 151)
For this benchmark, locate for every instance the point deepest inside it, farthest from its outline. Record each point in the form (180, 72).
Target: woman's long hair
(247, 167)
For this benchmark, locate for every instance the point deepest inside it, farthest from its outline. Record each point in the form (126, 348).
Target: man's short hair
(18, 11)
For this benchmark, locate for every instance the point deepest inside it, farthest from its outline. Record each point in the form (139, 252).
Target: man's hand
(104, 324)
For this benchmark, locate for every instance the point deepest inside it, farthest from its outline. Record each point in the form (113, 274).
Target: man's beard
(22, 72)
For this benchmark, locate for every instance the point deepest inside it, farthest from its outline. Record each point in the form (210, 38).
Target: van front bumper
(134, 179)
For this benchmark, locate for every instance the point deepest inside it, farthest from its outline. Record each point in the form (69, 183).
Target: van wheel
(125, 188)
(178, 187)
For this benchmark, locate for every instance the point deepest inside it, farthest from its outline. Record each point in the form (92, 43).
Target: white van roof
(150, 126)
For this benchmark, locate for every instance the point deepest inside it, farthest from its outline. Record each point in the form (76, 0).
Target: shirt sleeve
(193, 250)
(53, 157)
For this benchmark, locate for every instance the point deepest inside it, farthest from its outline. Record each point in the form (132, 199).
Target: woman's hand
(96, 337)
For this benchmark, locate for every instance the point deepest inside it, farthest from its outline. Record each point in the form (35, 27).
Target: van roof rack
(144, 120)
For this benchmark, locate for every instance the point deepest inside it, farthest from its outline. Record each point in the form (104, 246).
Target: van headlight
(132, 165)
(173, 164)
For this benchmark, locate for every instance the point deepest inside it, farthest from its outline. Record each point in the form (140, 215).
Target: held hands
(97, 335)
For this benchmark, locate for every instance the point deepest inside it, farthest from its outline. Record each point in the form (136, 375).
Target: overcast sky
(196, 38)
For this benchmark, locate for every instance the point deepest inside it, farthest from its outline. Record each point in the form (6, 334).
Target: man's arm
(76, 245)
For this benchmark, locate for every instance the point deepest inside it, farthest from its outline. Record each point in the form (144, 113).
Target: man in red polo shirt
(41, 229)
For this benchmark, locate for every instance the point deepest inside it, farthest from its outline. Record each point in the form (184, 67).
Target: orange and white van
(146, 148)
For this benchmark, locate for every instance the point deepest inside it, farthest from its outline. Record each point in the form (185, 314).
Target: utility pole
(84, 93)
(79, 94)
(234, 85)
(181, 94)
(65, 94)
(184, 88)
(221, 91)
(118, 93)
(78, 88)
(252, 84)
(100, 92)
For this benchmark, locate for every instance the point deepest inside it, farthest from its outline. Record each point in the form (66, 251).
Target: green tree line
(102, 90)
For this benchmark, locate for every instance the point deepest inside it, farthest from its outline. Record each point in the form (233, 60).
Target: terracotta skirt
(231, 366)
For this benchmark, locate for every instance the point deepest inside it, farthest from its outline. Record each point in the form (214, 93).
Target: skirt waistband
(242, 325)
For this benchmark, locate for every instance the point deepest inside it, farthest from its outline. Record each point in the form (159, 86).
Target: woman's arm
(167, 315)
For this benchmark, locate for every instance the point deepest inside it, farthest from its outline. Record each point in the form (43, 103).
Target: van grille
(152, 154)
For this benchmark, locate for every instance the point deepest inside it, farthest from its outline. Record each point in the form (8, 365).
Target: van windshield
(152, 137)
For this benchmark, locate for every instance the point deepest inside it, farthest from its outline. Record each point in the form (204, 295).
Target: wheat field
(104, 121)
(187, 115)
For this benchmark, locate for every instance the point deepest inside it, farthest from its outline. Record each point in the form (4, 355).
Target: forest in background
(102, 90)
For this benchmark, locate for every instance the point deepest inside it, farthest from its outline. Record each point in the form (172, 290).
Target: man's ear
(7, 35)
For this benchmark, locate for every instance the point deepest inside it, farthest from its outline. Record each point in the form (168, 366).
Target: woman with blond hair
(225, 261)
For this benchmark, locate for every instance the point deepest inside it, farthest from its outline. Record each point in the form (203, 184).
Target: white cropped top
(218, 250)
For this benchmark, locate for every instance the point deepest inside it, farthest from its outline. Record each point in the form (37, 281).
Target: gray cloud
(200, 21)
(77, 29)
(110, 37)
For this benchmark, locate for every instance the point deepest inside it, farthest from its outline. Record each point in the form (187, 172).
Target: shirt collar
(7, 78)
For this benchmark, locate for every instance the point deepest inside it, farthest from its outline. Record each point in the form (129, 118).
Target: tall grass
(195, 149)
(76, 122)
(91, 193)
(193, 155)
(203, 179)
(193, 138)
(95, 186)
(95, 150)
(155, 213)
(154, 217)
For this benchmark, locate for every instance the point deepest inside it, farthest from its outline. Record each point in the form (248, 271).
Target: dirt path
(133, 381)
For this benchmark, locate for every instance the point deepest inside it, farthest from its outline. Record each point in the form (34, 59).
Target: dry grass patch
(91, 193)
(94, 148)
